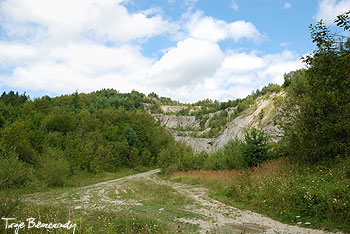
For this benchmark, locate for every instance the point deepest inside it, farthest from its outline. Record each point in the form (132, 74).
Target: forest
(48, 141)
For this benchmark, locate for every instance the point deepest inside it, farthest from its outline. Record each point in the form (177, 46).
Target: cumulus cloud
(278, 64)
(194, 69)
(66, 20)
(86, 67)
(191, 61)
(329, 9)
(209, 28)
(54, 48)
(236, 77)
(11, 53)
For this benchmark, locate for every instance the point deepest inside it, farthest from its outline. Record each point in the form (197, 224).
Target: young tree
(255, 149)
(316, 121)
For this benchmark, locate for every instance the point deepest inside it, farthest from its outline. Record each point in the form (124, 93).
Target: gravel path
(216, 216)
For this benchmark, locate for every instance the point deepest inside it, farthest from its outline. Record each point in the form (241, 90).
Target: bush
(315, 116)
(232, 155)
(255, 149)
(13, 172)
(55, 168)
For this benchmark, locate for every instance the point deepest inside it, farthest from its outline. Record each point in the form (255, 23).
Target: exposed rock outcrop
(173, 121)
(260, 115)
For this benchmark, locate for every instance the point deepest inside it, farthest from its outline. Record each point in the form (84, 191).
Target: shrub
(13, 172)
(315, 117)
(255, 149)
(233, 157)
(55, 168)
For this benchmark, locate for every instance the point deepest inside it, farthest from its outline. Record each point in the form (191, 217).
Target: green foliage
(18, 135)
(184, 111)
(130, 136)
(228, 158)
(316, 116)
(155, 108)
(245, 104)
(203, 122)
(238, 155)
(60, 122)
(233, 156)
(296, 81)
(289, 192)
(13, 172)
(81, 133)
(179, 157)
(13, 98)
(54, 168)
(255, 149)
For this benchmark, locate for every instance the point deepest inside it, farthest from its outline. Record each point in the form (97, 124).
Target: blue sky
(184, 49)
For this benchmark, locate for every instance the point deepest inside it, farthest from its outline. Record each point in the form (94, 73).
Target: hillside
(187, 128)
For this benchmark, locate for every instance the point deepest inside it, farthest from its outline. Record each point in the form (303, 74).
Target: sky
(188, 50)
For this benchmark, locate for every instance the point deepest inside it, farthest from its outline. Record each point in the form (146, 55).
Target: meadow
(314, 196)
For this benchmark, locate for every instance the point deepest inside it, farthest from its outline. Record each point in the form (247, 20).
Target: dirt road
(147, 193)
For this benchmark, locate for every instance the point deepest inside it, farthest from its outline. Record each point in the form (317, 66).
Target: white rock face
(260, 115)
(173, 121)
(171, 108)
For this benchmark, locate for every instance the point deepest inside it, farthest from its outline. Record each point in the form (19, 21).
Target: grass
(151, 193)
(315, 196)
(86, 222)
(82, 179)
(158, 200)
(160, 207)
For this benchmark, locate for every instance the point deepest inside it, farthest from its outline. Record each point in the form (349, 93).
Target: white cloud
(287, 5)
(243, 72)
(193, 70)
(236, 77)
(209, 28)
(190, 3)
(191, 61)
(234, 5)
(93, 60)
(60, 49)
(329, 9)
(278, 64)
(242, 62)
(241, 29)
(284, 44)
(67, 20)
(11, 53)
(85, 67)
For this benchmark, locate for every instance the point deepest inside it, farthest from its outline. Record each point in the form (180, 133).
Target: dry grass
(268, 170)
(310, 195)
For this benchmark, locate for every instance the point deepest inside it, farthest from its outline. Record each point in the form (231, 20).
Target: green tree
(316, 118)
(255, 149)
(233, 157)
(130, 136)
(13, 172)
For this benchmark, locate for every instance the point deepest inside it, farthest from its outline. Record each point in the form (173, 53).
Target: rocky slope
(261, 115)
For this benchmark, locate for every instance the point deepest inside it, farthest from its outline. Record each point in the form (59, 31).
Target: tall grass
(315, 196)
(87, 222)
